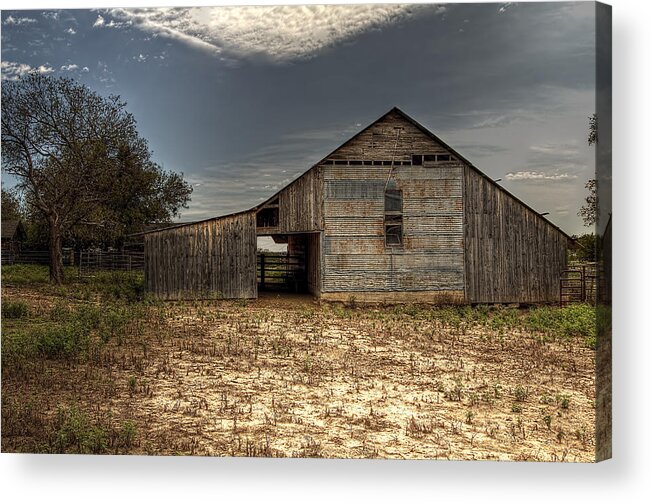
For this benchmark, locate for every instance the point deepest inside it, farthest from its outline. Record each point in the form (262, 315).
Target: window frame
(393, 218)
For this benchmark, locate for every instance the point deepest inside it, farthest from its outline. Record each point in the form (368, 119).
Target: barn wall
(300, 206)
(512, 254)
(429, 266)
(212, 259)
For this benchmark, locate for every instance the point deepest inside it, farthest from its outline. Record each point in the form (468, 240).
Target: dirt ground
(286, 376)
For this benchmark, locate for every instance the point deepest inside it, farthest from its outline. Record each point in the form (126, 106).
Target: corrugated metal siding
(512, 254)
(207, 259)
(355, 256)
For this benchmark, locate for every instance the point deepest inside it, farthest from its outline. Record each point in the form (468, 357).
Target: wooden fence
(35, 257)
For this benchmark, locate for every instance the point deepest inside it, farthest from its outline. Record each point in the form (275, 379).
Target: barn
(392, 215)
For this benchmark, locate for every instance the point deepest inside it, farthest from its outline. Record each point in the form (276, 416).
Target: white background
(33, 477)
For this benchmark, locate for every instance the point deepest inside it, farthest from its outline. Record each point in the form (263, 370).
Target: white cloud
(69, 67)
(98, 22)
(17, 21)
(53, 15)
(539, 176)
(282, 33)
(44, 68)
(505, 6)
(13, 71)
(568, 150)
(71, 31)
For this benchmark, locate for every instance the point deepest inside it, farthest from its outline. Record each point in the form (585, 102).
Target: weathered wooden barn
(394, 215)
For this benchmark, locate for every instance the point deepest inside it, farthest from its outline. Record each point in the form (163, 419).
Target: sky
(242, 100)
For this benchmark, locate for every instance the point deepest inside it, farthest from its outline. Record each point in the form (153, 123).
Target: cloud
(495, 121)
(17, 21)
(505, 6)
(69, 67)
(566, 150)
(539, 176)
(98, 22)
(13, 71)
(71, 31)
(280, 33)
(52, 15)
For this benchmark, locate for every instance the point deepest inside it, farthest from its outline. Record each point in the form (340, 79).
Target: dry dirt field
(287, 377)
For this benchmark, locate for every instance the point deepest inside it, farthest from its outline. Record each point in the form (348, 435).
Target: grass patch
(14, 309)
(573, 320)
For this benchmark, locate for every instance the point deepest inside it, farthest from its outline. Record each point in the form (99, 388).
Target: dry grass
(292, 378)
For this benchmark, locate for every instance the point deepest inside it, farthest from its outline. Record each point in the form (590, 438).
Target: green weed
(14, 309)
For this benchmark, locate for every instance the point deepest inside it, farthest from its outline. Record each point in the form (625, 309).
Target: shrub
(73, 433)
(14, 309)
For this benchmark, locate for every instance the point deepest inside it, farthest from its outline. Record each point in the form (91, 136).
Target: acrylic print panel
(208, 264)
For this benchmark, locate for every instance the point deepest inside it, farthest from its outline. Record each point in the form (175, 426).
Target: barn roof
(11, 227)
(422, 128)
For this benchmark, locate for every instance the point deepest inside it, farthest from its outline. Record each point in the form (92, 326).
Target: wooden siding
(429, 266)
(513, 255)
(313, 263)
(378, 142)
(211, 259)
(300, 206)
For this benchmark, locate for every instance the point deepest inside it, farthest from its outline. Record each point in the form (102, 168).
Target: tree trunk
(55, 252)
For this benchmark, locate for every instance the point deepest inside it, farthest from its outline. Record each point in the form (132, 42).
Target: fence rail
(35, 257)
(280, 272)
(92, 261)
(579, 284)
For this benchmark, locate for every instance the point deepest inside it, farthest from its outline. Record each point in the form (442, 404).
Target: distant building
(394, 215)
(13, 237)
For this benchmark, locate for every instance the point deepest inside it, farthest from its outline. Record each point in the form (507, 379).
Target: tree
(586, 248)
(588, 211)
(11, 208)
(80, 162)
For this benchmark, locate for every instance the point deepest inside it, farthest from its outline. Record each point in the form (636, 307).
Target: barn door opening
(294, 269)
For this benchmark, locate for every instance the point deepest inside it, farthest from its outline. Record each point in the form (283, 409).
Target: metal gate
(579, 284)
(281, 272)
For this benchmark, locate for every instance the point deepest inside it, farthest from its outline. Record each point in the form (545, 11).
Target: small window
(443, 158)
(394, 235)
(386, 162)
(329, 162)
(417, 160)
(429, 158)
(393, 217)
(355, 162)
(267, 217)
(341, 162)
(368, 162)
(393, 201)
(377, 162)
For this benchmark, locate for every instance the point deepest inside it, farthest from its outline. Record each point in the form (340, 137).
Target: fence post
(262, 271)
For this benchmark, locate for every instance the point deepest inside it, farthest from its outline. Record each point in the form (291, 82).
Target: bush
(14, 309)
(573, 320)
(73, 433)
(127, 286)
